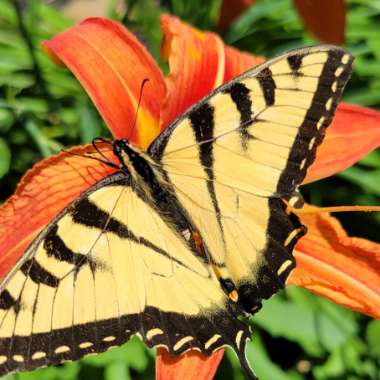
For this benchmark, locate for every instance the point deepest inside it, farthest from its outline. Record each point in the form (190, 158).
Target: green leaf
(263, 366)
(348, 358)
(7, 119)
(333, 324)
(368, 180)
(11, 39)
(133, 354)
(373, 337)
(41, 141)
(372, 159)
(5, 158)
(36, 106)
(263, 15)
(68, 371)
(117, 370)
(314, 323)
(89, 124)
(292, 321)
(19, 81)
(333, 367)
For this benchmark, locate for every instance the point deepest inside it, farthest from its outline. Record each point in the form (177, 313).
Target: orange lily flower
(328, 261)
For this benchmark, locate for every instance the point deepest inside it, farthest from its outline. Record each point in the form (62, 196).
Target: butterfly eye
(116, 149)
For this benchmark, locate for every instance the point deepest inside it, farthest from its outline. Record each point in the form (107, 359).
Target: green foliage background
(43, 109)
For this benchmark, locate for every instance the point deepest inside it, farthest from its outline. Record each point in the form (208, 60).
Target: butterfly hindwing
(107, 268)
(234, 156)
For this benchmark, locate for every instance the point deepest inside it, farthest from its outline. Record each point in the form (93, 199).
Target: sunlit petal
(196, 61)
(111, 65)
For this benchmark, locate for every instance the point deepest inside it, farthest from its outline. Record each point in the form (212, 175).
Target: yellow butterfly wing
(234, 157)
(107, 268)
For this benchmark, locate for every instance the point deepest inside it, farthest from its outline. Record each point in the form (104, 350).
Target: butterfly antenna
(105, 161)
(101, 139)
(138, 106)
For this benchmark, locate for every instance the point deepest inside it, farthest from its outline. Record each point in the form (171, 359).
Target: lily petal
(43, 192)
(196, 60)
(190, 366)
(111, 65)
(238, 61)
(325, 19)
(353, 133)
(342, 268)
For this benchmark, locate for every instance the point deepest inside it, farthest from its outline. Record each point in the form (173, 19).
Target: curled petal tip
(342, 268)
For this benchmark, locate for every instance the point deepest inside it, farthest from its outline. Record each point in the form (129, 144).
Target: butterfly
(183, 238)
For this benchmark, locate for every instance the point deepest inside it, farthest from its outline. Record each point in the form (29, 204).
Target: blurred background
(43, 109)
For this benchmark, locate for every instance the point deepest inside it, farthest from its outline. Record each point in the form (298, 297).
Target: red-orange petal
(344, 269)
(190, 366)
(43, 192)
(230, 10)
(354, 132)
(238, 61)
(111, 65)
(196, 61)
(325, 19)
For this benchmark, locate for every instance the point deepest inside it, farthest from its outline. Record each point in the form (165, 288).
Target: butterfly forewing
(233, 157)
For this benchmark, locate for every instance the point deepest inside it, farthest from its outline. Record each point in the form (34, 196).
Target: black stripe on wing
(295, 63)
(38, 274)
(89, 214)
(268, 86)
(202, 122)
(56, 247)
(240, 96)
(7, 301)
(317, 118)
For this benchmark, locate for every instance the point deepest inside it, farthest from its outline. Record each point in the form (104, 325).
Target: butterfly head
(125, 151)
(132, 158)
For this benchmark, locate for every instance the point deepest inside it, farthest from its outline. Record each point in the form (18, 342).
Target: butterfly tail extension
(248, 371)
(240, 350)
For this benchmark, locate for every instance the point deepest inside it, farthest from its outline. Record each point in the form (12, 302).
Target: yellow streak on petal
(221, 63)
(147, 129)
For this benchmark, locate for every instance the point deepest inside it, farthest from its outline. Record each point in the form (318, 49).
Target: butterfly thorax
(148, 180)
